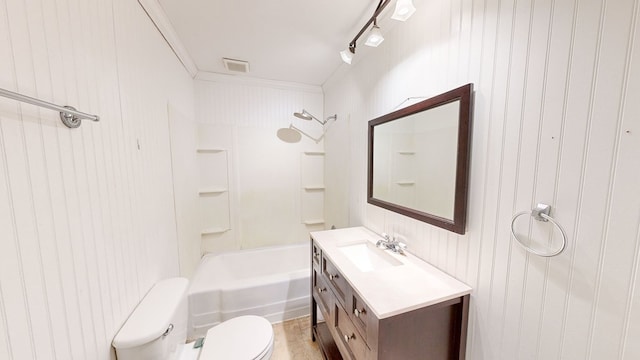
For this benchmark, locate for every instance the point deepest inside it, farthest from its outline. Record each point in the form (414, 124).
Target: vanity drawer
(349, 336)
(336, 280)
(359, 313)
(316, 255)
(322, 294)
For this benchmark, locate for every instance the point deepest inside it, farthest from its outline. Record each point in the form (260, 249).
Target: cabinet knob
(321, 290)
(358, 312)
(349, 337)
(331, 276)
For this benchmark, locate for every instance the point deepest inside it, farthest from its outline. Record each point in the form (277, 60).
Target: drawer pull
(331, 276)
(349, 337)
(358, 312)
(321, 290)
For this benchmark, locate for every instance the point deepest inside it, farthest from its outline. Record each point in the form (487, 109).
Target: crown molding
(159, 18)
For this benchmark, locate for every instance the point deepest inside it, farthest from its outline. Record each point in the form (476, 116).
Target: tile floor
(293, 341)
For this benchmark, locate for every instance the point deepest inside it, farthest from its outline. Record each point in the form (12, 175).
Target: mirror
(418, 159)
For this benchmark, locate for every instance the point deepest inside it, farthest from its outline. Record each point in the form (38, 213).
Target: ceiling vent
(236, 65)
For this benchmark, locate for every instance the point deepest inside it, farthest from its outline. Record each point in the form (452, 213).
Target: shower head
(293, 134)
(289, 135)
(304, 115)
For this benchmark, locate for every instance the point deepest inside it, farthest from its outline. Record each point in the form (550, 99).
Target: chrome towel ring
(540, 213)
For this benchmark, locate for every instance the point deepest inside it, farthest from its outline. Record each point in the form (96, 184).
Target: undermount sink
(366, 257)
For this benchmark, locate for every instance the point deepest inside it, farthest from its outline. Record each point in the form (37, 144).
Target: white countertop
(391, 290)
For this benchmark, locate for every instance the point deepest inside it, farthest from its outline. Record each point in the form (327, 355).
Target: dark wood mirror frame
(464, 95)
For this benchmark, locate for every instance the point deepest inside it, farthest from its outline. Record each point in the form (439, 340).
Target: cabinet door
(316, 255)
(349, 336)
(335, 279)
(359, 313)
(323, 295)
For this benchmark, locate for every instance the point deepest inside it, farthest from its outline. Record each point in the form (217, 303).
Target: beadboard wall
(556, 120)
(275, 190)
(87, 220)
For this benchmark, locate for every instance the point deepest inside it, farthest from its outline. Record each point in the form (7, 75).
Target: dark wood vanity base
(351, 331)
(322, 335)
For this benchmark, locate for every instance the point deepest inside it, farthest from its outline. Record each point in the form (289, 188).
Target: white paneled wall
(86, 215)
(268, 202)
(556, 120)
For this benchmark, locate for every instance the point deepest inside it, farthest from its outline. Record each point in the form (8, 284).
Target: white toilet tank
(158, 326)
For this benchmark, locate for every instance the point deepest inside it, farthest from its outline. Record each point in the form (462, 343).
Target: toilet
(157, 330)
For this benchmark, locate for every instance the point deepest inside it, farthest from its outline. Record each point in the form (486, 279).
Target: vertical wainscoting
(86, 215)
(269, 204)
(556, 120)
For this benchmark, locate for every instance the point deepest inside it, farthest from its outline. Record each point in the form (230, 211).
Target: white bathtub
(271, 282)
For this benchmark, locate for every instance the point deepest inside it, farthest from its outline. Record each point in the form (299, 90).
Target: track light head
(347, 56)
(404, 10)
(375, 37)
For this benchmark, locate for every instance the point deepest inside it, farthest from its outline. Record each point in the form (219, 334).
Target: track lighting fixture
(404, 9)
(375, 37)
(346, 55)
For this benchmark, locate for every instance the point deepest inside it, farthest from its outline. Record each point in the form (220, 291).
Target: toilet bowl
(157, 329)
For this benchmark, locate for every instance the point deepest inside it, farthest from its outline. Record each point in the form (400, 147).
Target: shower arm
(325, 121)
(317, 140)
(315, 118)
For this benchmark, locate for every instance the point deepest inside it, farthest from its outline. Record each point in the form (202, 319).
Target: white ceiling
(286, 40)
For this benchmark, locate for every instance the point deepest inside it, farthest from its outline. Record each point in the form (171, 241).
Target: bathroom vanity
(377, 304)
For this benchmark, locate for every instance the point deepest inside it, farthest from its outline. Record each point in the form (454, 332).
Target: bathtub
(271, 282)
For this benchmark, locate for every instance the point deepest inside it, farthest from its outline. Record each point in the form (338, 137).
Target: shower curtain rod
(69, 115)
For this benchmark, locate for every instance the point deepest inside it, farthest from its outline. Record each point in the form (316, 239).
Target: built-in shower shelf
(314, 188)
(214, 231)
(316, 153)
(313, 222)
(406, 152)
(211, 191)
(406, 183)
(209, 151)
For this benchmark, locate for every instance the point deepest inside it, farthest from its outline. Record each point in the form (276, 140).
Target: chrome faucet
(392, 244)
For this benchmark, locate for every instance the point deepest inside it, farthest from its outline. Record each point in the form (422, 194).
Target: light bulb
(375, 37)
(404, 10)
(346, 56)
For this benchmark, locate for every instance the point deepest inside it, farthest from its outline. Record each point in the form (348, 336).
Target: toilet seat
(246, 337)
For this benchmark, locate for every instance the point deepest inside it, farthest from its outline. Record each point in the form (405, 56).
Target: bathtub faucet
(392, 244)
